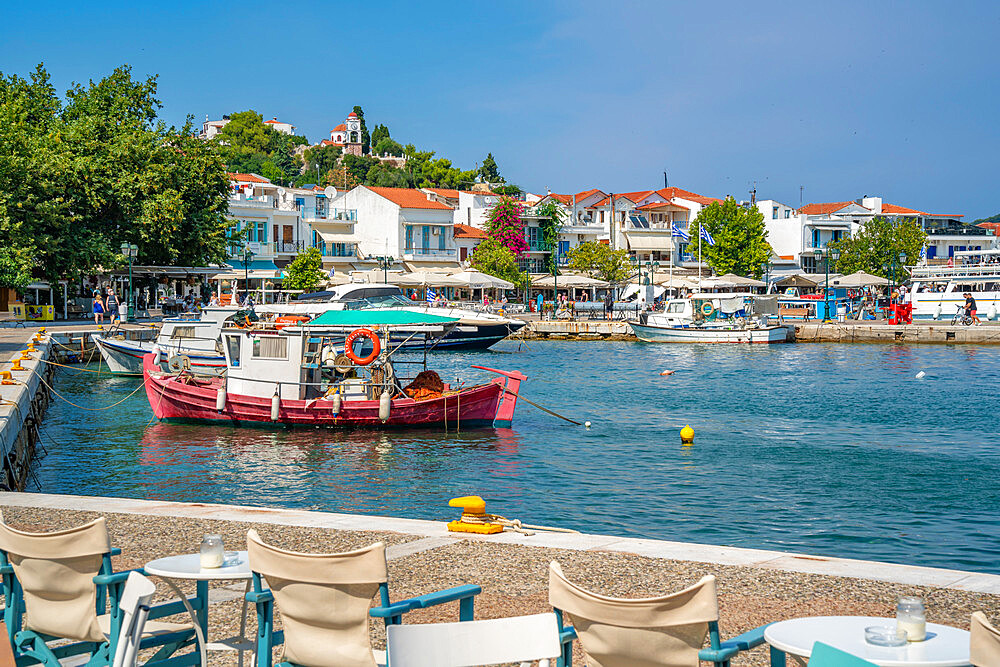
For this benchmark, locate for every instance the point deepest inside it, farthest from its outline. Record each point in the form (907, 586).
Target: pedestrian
(970, 308)
(98, 310)
(609, 305)
(112, 306)
(214, 301)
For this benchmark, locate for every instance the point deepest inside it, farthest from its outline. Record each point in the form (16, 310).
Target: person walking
(970, 308)
(112, 306)
(609, 305)
(98, 307)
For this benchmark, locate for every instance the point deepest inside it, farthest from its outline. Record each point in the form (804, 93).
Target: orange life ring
(349, 346)
(289, 320)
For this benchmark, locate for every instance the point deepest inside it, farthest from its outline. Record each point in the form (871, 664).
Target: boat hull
(125, 357)
(656, 334)
(183, 397)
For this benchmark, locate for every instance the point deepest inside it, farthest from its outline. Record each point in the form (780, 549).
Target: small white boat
(197, 340)
(708, 318)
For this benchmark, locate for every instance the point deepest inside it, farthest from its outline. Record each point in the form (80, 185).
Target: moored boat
(711, 318)
(295, 376)
(197, 340)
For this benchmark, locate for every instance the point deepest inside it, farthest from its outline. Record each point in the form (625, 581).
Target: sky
(807, 101)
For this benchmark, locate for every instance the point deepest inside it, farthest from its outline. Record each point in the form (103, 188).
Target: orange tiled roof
(327, 142)
(247, 178)
(660, 204)
(670, 193)
(900, 210)
(453, 194)
(339, 128)
(580, 196)
(409, 198)
(826, 209)
(946, 215)
(467, 232)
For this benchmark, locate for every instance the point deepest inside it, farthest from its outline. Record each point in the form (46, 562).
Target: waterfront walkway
(755, 586)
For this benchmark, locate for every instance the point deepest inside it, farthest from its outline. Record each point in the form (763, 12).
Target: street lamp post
(247, 257)
(130, 250)
(384, 262)
(833, 254)
(765, 269)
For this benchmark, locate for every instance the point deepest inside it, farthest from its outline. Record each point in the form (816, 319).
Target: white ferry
(937, 290)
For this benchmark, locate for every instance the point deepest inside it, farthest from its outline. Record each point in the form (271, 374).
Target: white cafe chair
(521, 639)
(135, 605)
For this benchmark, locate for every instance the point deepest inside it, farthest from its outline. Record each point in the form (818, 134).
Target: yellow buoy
(687, 435)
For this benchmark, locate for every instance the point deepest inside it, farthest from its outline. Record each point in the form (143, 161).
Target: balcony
(249, 201)
(346, 250)
(258, 248)
(411, 253)
(289, 247)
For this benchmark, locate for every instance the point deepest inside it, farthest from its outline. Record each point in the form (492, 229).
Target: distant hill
(992, 218)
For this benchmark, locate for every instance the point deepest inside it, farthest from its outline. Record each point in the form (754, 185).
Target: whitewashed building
(795, 237)
(406, 224)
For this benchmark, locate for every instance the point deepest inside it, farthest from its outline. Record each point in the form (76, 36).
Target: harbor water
(826, 449)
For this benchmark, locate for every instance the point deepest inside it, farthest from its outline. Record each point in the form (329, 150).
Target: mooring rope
(107, 407)
(72, 368)
(514, 524)
(544, 409)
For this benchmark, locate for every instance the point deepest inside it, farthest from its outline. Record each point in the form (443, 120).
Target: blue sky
(844, 99)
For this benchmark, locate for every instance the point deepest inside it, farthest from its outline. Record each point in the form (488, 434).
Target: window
(182, 332)
(788, 213)
(675, 307)
(774, 213)
(409, 237)
(233, 345)
(270, 347)
(425, 237)
(816, 239)
(441, 234)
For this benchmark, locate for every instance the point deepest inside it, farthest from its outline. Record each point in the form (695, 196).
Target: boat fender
(156, 355)
(179, 362)
(329, 356)
(220, 399)
(337, 402)
(707, 308)
(384, 405)
(349, 346)
(937, 311)
(991, 314)
(275, 405)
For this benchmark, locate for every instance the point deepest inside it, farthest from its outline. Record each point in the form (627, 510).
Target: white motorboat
(475, 330)
(197, 340)
(937, 291)
(711, 318)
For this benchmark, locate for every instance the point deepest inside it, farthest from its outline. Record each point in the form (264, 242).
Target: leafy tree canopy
(81, 176)
(992, 218)
(489, 171)
(305, 271)
(366, 140)
(494, 258)
(378, 134)
(388, 146)
(14, 271)
(740, 237)
(598, 260)
(321, 160)
(246, 144)
(878, 244)
(550, 225)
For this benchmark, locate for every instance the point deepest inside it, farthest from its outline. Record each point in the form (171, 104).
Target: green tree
(305, 271)
(247, 143)
(489, 172)
(598, 260)
(378, 134)
(321, 160)
(389, 146)
(366, 140)
(992, 218)
(508, 189)
(492, 257)
(14, 271)
(740, 236)
(878, 244)
(271, 172)
(81, 177)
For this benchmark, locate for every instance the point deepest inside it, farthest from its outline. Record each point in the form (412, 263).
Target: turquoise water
(825, 449)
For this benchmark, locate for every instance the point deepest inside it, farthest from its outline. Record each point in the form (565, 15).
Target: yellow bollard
(687, 435)
(6, 378)
(15, 365)
(25, 355)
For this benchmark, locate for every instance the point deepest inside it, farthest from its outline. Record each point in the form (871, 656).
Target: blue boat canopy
(255, 265)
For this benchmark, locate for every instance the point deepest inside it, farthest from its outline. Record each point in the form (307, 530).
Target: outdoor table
(188, 567)
(945, 646)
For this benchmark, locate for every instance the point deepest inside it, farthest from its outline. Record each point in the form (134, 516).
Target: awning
(430, 265)
(568, 280)
(240, 275)
(377, 317)
(255, 265)
(830, 226)
(649, 242)
(330, 237)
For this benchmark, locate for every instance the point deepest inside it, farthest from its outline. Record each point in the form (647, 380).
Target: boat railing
(947, 272)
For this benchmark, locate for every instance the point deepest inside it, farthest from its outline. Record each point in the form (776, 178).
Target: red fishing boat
(306, 375)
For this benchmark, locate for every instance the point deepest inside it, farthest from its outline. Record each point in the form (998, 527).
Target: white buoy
(275, 405)
(921, 374)
(586, 424)
(220, 399)
(991, 314)
(384, 405)
(336, 403)
(937, 312)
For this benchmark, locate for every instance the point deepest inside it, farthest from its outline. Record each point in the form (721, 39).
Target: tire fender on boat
(179, 362)
(349, 346)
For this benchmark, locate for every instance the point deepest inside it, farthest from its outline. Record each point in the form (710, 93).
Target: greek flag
(705, 235)
(678, 232)
(923, 252)
(431, 295)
